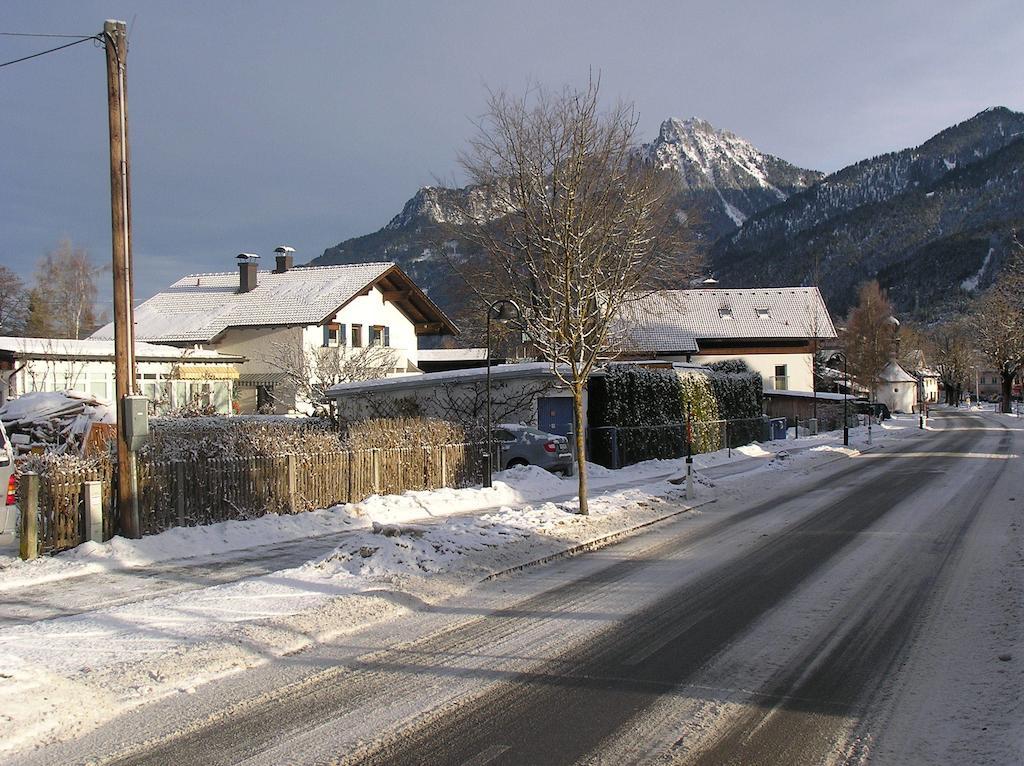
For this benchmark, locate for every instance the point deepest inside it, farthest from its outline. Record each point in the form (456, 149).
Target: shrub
(237, 437)
(739, 395)
(697, 399)
(631, 398)
(387, 433)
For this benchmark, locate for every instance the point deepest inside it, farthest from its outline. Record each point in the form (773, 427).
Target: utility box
(135, 421)
(777, 428)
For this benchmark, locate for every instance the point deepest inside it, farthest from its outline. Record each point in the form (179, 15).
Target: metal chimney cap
(710, 282)
(246, 256)
(284, 249)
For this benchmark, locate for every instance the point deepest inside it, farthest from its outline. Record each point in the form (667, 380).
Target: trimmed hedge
(648, 407)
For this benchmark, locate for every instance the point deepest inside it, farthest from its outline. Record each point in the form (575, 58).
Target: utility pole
(115, 41)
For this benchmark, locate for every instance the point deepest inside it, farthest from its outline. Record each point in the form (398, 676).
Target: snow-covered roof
(472, 375)
(669, 320)
(92, 349)
(823, 395)
(452, 355)
(893, 372)
(198, 307)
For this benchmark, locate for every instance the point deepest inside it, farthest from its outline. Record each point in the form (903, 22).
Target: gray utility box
(135, 421)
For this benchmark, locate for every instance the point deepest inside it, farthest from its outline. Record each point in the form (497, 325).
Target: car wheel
(515, 462)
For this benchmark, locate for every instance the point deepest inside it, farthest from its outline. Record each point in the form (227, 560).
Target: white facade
(781, 372)
(365, 324)
(170, 378)
(897, 389)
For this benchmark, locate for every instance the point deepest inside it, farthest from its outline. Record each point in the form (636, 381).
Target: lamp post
(846, 394)
(502, 305)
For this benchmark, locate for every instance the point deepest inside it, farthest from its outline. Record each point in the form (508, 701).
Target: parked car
(523, 445)
(9, 508)
(879, 409)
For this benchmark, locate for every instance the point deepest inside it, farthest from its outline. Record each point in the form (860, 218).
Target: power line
(36, 34)
(51, 50)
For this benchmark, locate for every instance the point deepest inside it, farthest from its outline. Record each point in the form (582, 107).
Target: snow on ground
(396, 553)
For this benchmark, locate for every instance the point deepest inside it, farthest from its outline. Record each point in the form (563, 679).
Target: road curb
(596, 543)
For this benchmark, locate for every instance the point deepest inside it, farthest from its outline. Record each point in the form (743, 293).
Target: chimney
(247, 263)
(284, 257)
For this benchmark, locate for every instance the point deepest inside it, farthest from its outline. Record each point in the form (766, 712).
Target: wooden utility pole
(115, 39)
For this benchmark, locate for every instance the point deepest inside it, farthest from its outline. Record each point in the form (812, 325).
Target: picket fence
(204, 491)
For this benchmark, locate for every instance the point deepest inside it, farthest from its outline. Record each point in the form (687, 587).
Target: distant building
(170, 377)
(773, 330)
(897, 388)
(279, 319)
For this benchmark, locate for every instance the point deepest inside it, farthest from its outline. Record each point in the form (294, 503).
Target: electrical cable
(36, 34)
(51, 50)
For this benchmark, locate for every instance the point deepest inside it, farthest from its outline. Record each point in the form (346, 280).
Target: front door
(554, 414)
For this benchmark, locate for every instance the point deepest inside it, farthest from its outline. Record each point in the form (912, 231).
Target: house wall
(931, 389)
(513, 401)
(898, 396)
(157, 382)
(263, 346)
(798, 366)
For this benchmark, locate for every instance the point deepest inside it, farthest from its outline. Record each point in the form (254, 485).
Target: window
(380, 335)
(780, 382)
(357, 336)
(725, 312)
(334, 334)
(762, 313)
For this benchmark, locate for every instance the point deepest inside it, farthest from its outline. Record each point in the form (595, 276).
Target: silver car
(9, 508)
(523, 445)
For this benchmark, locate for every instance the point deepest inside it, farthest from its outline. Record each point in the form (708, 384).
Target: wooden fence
(193, 492)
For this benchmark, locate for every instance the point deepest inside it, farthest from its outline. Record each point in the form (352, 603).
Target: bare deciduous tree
(13, 303)
(949, 352)
(998, 323)
(310, 371)
(62, 304)
(869, 339)
(590, 227)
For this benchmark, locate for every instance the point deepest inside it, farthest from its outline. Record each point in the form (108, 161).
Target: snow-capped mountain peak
(737, 178)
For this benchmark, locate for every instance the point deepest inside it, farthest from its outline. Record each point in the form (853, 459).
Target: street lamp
(846, 394)
(502, 310)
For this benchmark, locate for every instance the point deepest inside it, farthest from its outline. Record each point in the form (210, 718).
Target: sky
(254, 124)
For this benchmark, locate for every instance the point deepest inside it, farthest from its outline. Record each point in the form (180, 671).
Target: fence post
(29, 547)
(616, 461)
(92, 493)
(444, 465)
(375, 467)
(292, 485)
(728, 442)
(179, 491)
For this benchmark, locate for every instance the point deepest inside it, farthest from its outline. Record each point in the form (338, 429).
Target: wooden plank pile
(47, 421)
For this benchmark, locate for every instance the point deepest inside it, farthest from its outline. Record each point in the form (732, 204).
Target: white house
(774, 330)
(897, 388)
(293, 323)
(170, 377)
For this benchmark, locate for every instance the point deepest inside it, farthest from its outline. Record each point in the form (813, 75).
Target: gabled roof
(90, 349)
(893, 372)
(664, 320)
(198, 307)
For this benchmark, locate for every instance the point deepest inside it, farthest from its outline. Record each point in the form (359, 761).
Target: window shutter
(342, 335)
(327, 336)
(387, 336)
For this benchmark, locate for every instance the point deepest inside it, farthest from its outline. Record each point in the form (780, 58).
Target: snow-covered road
(841, 610)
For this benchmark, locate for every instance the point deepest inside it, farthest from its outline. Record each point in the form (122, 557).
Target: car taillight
(551, 446)
(12, 490)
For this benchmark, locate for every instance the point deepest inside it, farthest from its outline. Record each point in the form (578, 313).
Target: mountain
(722, 176)
(932, 223)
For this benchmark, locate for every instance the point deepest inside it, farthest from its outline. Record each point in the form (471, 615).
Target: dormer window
(763, 313)
(725, 312)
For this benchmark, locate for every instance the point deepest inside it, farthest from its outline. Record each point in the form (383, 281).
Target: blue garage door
(554, 414)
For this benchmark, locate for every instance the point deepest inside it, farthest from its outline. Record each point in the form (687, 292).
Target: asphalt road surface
(786, 631)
